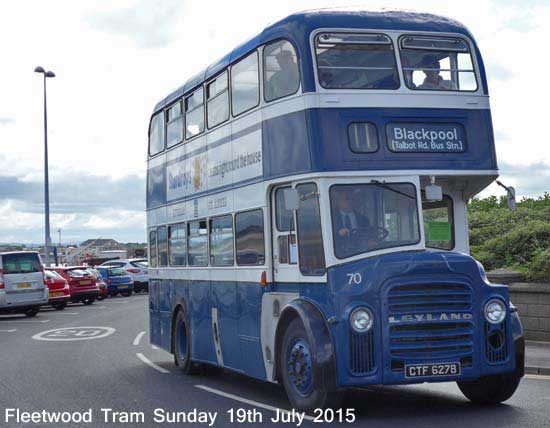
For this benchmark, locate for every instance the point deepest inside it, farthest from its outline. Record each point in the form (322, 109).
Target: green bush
(515, 239)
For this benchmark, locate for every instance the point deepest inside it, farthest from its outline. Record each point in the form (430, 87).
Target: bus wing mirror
(292, 199)
(511, 198)
(433, 192)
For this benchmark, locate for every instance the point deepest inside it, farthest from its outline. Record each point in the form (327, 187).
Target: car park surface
(148, 375)
(22, 283)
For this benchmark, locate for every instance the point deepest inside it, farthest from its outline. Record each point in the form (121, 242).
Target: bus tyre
(304, 380)
(181, 338)
(490, 389)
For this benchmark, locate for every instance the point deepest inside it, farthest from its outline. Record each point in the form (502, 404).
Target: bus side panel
(250, 297)
(165, 310)
(224, 298)
(200, 313)
(154, 313)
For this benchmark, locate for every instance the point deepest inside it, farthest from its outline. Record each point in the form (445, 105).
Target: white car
(22, 283)
(137, 269)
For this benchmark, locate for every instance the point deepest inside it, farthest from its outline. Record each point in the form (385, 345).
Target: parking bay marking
(138, 338)
(9, 331)
(26, 321)
(247, 401)
(151, 364)
(537, 377)
(69, 334)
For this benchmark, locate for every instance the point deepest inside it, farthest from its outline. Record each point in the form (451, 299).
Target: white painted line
(9, 331)
(68, 334)
(138, 338)
(25, 321)
(150, 363)
(537, 377)
(155, 347)
(69, 313)
(100, 307)
(117, 303)
(247, 401)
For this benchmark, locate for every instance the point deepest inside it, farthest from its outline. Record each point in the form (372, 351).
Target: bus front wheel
(490, 389)
(181, 336)
(304, 381)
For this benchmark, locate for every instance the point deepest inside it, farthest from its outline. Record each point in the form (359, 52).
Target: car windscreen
(356, 61)
(77, 272)
(117, 272)
(21, 263)
(369, 217)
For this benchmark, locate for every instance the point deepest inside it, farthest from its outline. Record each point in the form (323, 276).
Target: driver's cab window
(439, 223)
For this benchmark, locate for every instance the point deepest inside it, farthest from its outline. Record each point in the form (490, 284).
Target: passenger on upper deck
(283, 81)
(431, 68)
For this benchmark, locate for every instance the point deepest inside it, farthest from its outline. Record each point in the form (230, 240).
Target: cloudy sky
(115, 59)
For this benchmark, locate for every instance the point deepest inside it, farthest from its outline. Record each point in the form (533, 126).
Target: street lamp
(48, 239)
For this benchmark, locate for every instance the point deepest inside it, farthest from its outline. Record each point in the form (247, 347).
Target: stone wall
(533, 303)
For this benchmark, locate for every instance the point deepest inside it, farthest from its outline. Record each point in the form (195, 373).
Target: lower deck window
(197, 243)
(221, 241)
(439, 223)
(177, 245)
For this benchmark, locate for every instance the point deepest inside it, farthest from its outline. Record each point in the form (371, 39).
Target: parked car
(81, 282)
(59, 290)
(138, 269)
(22, 283)
(103, 290)
(117, 280)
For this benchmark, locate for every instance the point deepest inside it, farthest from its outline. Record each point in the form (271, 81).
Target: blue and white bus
(307, 211)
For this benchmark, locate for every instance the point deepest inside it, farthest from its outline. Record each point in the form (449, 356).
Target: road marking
(537, 377)
(151, 364)
(26, 321)
(117, 303)
(9, 331)
(138, 338)
(155, 347)
(247, 401)
(69, 334)
(69, 313)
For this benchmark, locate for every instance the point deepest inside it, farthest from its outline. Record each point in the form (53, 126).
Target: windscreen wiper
(388, 187)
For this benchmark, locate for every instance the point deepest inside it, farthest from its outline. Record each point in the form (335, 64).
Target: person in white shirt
(433, 81)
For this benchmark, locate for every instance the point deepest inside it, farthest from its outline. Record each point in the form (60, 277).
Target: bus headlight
(361, 319)
(495, 311)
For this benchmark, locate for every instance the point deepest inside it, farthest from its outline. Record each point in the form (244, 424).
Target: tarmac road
(88, 369)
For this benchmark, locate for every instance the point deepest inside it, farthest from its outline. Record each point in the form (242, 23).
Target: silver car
(22, 283)
(137, 269)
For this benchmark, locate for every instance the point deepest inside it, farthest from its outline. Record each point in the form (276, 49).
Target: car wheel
(137, 289)
(88, 301)
(304, 379)
(127, 293)
(100, 297)
(490, 389)
(181, 339)
(59, 306)
(31, 312)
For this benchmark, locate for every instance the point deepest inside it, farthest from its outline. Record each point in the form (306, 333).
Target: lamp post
(48, 239)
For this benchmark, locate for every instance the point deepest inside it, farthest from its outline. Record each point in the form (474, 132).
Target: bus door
(298, 254)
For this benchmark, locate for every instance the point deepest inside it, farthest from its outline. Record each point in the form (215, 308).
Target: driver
(347, 218)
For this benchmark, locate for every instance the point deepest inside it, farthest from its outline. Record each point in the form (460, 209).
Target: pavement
(537, 358)
(97, 360)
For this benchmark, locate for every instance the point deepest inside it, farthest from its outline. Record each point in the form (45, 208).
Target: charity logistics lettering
(416, 137)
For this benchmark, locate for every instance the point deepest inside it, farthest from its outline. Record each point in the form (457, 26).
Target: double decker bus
(307, 211)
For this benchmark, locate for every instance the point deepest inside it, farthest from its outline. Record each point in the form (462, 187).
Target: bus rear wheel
(490, 389)
(304, 380)
(181, 338)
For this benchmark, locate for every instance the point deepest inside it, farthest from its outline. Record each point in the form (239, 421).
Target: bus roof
(298, 26)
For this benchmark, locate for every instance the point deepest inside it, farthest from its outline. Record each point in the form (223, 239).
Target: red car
(81, 282)
(103, 290)
(59, 290)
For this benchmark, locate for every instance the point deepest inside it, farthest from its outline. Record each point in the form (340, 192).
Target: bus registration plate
(432, 370)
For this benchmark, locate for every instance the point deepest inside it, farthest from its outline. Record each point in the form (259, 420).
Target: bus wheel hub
(299, 366)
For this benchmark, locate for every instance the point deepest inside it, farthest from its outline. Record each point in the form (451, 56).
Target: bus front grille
(430, 323)
(362, 360)
(496, 349)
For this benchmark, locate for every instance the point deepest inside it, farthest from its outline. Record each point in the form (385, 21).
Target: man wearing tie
(346, 219)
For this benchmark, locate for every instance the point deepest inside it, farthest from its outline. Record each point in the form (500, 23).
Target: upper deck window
(217, 105)
(194, 114)
(174, 125)
(156, 134)
(437, 63)
(356, 61)
(281, 74)
(245, 84)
